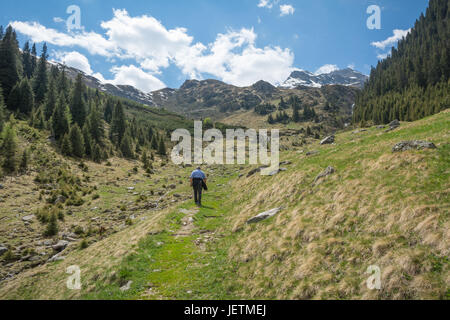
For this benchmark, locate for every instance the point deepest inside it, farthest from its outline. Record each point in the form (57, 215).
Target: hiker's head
(199, 168)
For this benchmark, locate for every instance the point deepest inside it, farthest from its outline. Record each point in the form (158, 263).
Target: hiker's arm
(192, 182)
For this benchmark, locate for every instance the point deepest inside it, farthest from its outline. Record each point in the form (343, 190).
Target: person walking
(198, 182)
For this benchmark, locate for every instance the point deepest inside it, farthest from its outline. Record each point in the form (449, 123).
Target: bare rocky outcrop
(264, 215)
(413, 145)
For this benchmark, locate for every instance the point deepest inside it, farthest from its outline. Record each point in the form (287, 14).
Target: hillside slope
(377, 208)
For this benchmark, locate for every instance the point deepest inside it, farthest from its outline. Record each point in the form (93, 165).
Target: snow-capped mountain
(346, 77)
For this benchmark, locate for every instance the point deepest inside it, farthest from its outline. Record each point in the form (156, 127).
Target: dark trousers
(198, 188)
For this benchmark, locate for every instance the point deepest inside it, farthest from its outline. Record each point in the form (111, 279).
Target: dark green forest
(83, 122)
(413, 82)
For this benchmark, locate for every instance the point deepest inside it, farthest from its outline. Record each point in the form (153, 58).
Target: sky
(153, 44)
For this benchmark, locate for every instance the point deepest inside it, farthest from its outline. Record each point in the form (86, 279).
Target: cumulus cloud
(266, 4)
(325, 69)
(382, 56)
(398, 35)
(286, 9)
(74, 59)
(233, 56)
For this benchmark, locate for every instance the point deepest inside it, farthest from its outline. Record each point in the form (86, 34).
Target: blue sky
(154, 44)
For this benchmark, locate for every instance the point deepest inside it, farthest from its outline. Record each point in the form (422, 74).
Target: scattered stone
(264, 215)
(327, 140)
(60, 199)
(61, 245)
(172, 186)
(285, 163)
(127, 286)
(1, 187)
(130, 188)
(415, 144)
(312, 153)
(176, 195)
(381, 127)
(56, 257)
(3, 250)
(359, 131)
(393, 125)
(28, 218)
(330, 170)
(253, 171)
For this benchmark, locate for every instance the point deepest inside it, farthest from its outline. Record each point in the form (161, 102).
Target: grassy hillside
(378, 208)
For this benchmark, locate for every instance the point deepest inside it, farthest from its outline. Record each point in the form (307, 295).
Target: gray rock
(28, 218)
(61, 245)
(330, 170)
(56, 257)
(415, 144)
(264, 215)
(253, 171)
(172, 186)
(1, 187)
(327, 140)
(393, 125)
(127, 286)
(60, 199)
(312, 153)
(3, 250)
(285, 163)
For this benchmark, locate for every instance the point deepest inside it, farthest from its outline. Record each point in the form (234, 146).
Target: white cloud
(398, 35)
(286, 9)
(133, 76)
(233, 57)
(74, 59)
(325, 69)
(382, 56)
(58, 20)
(351, 66)
(265, 4)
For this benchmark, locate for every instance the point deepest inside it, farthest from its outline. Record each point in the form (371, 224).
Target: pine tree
(27, 97)
(77, 102)
(66, 148)
(10, 62)
(33, 58)
(126, 147)
(109, 108)
(1, 33)
(162, 147)
(96, 153)
(270, 119)
(76, 141)
(9, 148)
(296, 114)
(60, 119)
(40, 81)
(118, 124)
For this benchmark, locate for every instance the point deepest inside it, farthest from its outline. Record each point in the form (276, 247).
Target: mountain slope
(414, 81)
(378, 208)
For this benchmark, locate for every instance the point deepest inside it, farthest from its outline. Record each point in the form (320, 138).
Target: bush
(52, 227)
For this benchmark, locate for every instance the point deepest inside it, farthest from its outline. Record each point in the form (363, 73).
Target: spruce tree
(95, 123)
(66, 148)
(33, 58)
(26, 104)
(77, 102)
(40, 81)
(9, 148)
(154, 143)
(87, 141)
(51, 98)
(109, 108)
(162, 147)
(126, 146)
(96, 153)
(76, 141)
(2, 110)
(26, 61)
(24, 161)
(118, 124)
(60, 119)
(10, 62)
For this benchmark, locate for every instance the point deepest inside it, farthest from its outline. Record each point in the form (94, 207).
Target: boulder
(127, 286)
(253, 171)
(56, 257)
(312, 153)
(328, 171)
(1, 187)
(264, 215)
(327, 140)
(61, 245)
(415, 144)
(393, 125)
(28, 218)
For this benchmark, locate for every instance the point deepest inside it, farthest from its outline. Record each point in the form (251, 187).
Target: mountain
(345, 77)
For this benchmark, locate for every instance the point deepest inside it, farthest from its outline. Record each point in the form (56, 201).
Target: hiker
(198, 182)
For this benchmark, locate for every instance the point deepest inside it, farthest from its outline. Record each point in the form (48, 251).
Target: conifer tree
(26, 61)
(66, 148)
(33, 58)
(95, 123)
(10, 62)
(126, 147)
(118, 124)
(109, 108)
(40, 81)
(96, 153)
(76, 141)
(9, 148)
(2, 110)
(154, 142)
(24, 161)
(51, 98)
(87, 141)
(162, 147)
(60, 119)
(77, 102)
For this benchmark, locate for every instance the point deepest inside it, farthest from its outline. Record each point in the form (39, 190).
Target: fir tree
(33, 58)
(24, 162)
(109, 107)
(51, 98)
(77, 102)
(76, 141)
(2, 110)
(40, 81)
(87, 141)
(9, 148)
(96, 153)
(126, 146)
(26, 61)
(154, 143)
(95, 124)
